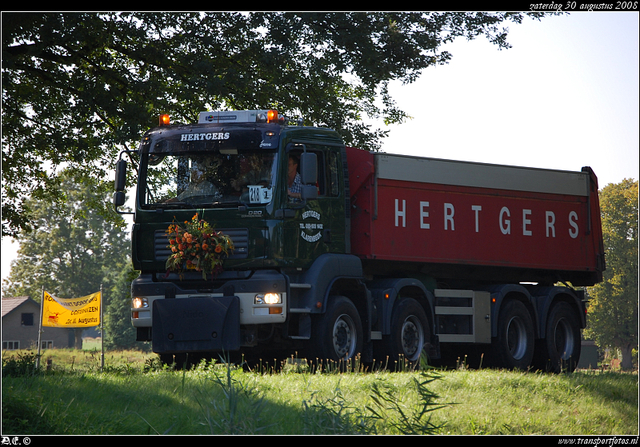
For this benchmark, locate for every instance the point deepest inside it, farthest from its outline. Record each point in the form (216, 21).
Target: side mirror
(309, 192)
(309, 168)
(121, 175)
(118, 199)
(308, 175)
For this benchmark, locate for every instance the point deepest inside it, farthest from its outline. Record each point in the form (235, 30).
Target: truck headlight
(139, 303)
(268, 298)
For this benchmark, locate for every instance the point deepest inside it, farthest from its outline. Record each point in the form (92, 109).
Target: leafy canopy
(78, 87)
(72, 250)
(613, 309)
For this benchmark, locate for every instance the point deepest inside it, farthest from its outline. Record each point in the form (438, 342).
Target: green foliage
(239, 412)
(22, 415)
(335, 415)
(73, 251)
(72, 247)
(119, 332)
(78, 87)
(613, 309)
(19, 365)
(414, 420)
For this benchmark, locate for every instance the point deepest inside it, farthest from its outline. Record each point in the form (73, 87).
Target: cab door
(316, 226)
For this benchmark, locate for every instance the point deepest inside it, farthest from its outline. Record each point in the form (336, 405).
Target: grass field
(134, 395)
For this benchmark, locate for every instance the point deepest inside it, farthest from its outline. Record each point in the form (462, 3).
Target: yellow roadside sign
(71, 312)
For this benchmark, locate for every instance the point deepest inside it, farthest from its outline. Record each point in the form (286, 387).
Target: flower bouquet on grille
(196, 245)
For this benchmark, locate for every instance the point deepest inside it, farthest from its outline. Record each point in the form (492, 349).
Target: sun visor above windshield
(210, 138)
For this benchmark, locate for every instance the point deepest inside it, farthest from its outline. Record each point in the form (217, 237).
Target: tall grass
(509, 402)
(142, 397)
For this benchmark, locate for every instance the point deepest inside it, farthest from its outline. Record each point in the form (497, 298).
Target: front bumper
(189, 316)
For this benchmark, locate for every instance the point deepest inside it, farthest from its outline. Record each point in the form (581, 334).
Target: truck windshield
(212, 179)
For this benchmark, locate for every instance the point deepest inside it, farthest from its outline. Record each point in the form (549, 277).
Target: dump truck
(337, 253)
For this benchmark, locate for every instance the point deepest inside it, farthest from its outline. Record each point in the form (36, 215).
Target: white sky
(563, 97)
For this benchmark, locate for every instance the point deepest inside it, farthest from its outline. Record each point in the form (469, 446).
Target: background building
(20, 324)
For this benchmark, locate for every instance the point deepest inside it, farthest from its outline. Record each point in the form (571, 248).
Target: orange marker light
(272, 116)
(164, 120)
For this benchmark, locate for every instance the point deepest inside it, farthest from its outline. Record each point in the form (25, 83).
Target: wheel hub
(516, 338)
(412, 338)
(344, 337)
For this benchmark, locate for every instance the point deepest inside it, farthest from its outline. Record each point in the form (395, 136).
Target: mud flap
(196, 325)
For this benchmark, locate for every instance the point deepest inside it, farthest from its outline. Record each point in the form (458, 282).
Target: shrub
(19, 365)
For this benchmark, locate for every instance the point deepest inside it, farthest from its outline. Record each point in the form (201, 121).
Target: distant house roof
(12, 303)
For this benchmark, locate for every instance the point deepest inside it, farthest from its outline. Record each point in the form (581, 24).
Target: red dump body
(487, 222)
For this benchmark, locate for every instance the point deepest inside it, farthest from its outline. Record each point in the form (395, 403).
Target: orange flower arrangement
(197, 246)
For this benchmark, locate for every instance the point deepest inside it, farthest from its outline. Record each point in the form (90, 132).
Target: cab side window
(329, 163)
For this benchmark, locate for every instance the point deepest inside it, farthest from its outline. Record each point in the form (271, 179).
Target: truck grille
(239, 236)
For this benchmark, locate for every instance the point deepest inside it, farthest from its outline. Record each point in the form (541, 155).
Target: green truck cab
(232, 170)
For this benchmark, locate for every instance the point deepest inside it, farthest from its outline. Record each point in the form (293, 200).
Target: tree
(73, 250)
(119, 333)
(77, 88)
(613, 309)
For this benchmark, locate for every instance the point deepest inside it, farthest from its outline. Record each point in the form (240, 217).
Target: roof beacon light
(164, 120)
(272, 116)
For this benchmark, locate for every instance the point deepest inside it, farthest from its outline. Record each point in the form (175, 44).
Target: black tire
(513, 347)
(337, 334)
(559, 350)
(410, 332)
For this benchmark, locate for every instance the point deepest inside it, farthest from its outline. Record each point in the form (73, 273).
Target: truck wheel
(409, 332)
(337, 334)
(514, 344)
(560, 348)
